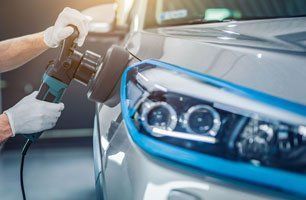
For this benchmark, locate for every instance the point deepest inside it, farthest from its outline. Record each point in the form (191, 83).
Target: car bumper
(127, 172)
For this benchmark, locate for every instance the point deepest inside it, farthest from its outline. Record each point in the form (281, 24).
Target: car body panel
(130, 173)
(266, 65)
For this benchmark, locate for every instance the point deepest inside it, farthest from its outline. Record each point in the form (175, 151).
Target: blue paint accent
(56, 87)
(275, 178)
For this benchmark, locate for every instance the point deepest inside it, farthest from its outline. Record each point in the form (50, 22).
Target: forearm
(5, 128)
(16, 52)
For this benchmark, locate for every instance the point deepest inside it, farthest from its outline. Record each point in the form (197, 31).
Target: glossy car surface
(261, 56)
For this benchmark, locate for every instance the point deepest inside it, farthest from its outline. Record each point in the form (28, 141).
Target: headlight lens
(210, 117)
(202, 119)
(158, 115)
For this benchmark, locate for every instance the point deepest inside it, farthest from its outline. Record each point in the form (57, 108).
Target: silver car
(212, 103)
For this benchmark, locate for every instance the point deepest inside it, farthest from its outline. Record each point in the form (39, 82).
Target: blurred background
(60, 165)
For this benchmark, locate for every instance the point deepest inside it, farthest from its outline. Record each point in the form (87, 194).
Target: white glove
(60, 31)
(31, 115)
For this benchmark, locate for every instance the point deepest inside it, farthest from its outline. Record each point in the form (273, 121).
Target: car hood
(281, 34)
(265, 55)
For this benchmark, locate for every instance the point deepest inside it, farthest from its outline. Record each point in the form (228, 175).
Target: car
(211, 105)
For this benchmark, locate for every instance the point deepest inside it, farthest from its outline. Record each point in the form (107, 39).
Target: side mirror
(103, 18)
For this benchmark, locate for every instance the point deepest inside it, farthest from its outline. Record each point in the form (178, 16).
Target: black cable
(23, 154)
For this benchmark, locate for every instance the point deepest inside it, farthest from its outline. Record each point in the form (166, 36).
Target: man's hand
(31, 115)
(61, 30)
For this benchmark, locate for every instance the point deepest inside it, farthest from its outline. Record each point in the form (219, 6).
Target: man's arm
(16, 52)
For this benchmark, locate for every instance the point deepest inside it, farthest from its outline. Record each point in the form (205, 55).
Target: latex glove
(31, 115)
(60, 31)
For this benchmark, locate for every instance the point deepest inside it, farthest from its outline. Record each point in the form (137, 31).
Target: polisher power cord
(23, 154)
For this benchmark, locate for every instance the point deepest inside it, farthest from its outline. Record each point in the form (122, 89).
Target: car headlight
(215, 125)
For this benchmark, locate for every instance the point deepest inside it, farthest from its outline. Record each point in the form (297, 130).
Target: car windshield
(178, 12)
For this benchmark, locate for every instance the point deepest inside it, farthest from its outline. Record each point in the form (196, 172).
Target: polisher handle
(51, 89)
(68, 45)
